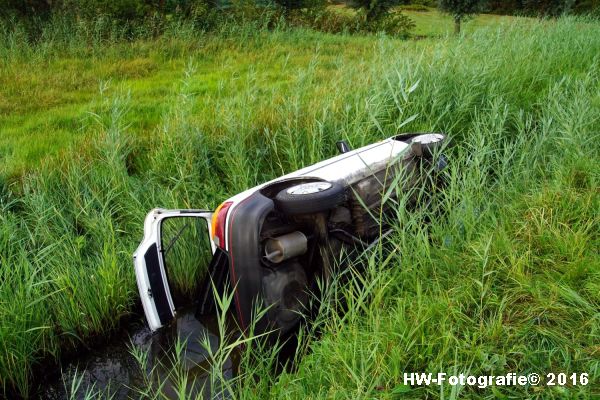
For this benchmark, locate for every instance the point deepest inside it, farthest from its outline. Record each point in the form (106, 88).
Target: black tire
(328, 196)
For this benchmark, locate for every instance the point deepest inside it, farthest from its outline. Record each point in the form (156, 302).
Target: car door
(176, 245)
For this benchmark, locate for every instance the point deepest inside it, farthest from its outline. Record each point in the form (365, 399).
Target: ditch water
(112, 368)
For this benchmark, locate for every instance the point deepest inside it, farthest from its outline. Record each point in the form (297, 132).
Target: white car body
(346, 169)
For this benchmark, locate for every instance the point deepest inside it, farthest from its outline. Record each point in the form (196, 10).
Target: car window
(186, 250)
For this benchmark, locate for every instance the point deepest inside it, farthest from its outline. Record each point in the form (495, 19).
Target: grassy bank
(50, 88)
(506, 281)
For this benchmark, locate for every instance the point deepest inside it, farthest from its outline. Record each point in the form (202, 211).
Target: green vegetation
(460, 10)
(545, 8)
(431, 22)
(507, 280)
(49, 96)
(128, 10)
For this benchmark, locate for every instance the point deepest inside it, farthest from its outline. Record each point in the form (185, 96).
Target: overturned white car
(274, 241)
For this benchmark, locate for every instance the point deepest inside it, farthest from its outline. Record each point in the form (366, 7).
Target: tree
(460, 9)
(375, 9)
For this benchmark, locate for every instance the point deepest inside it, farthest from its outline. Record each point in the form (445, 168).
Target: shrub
(549, 7)
(426, 3)
(392, 23)
(587, 6)
(375, 9)
(300, 4)
(416, 7)
(250, 13)
(119, 9)
(89, 9)
(326, 20)
(24, 7)
(544, 8)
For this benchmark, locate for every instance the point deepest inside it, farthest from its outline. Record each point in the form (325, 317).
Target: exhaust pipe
(284, 247)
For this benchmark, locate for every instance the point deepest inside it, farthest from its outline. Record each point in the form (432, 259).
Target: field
(503, 275)
(48, 96)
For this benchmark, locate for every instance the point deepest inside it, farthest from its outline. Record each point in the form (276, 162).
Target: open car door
(176, 244)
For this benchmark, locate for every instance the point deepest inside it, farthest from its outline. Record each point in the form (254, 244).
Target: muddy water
(114, 369)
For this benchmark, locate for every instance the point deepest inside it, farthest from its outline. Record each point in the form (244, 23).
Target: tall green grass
(505, 280)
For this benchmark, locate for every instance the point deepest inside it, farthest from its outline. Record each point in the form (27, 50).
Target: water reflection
(114, 369)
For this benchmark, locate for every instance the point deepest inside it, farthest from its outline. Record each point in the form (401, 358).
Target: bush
(90, 9)
(24, 7)
(248, 13)
(544, 8)
(375, 9)
(416, 7)
(392, 23)
(332, 21)
(300, 4)
(133, 19)
(425, 3)
(587, 6)
(118, 9)
(551, 8)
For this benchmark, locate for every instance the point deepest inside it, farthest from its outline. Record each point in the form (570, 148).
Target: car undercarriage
(295, 231)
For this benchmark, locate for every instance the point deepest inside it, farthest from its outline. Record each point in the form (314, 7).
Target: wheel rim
(428, 138)
(309, 188)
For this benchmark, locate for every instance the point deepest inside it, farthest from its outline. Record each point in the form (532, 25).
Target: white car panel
(345, 168)
(152, 235)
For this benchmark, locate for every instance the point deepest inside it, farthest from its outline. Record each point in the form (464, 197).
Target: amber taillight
(218, 224)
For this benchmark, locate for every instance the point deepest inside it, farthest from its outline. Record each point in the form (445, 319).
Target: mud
(113, 369)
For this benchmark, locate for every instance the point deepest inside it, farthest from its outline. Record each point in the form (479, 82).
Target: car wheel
(310, 197)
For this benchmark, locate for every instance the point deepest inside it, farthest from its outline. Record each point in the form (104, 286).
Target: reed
(499, 274)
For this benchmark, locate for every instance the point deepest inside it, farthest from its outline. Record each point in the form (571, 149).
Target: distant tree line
(151, 17)
(132, 9)
(543, 8)
(125, 9)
